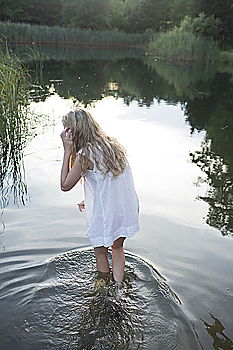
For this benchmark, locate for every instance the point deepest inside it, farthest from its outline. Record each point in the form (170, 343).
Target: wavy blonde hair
(109, 155)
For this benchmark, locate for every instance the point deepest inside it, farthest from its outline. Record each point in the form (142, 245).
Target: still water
(176, 124)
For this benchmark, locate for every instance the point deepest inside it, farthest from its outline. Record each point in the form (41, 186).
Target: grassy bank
(26, 33)
(177, 45)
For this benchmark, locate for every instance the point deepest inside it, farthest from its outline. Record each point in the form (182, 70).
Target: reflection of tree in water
(141, 80)
(213, 113)
(220, 195)
(184, 82)
(206, 98)
(215, 330)
(204, 94)
(85, 75)
(89, 81)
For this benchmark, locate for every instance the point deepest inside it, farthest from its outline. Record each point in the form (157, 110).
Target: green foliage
(31, 11)
(19, 32)
(147, 14)
(17, 123)
(118, 17)
(226, 57)
(89, 14)
(101, 14)
(133, 16)
(222, 10)
(179, 9)
(208, 18)
(183, 46)
(207, 26)
(14, 124)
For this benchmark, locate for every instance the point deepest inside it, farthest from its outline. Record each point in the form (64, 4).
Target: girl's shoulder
(90, 151)
(90, 154)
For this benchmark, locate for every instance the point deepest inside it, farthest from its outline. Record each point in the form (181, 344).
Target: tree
(12, 11)
(203, 25)
(179, 9)
(90, 14)
(118, 19)
(222, 10)
(148, 14)
(31, 11)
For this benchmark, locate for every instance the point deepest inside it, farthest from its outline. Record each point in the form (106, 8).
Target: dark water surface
(176, 123)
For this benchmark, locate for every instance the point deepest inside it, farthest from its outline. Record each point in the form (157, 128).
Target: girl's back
(111, 204)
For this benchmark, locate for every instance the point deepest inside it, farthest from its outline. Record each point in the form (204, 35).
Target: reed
(178, 45)
(38, 34)
(74, 53)
(14, 126)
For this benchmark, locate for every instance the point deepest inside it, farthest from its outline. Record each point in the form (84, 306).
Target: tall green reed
(181, 45)
(26, 33)
(15, 127)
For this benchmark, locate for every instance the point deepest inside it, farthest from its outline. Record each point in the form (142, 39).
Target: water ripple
(64, 304)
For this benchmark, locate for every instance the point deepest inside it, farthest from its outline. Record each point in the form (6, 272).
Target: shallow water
(176, 124)
(64, 307)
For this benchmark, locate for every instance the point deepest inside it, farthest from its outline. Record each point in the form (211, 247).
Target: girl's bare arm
(69, 178)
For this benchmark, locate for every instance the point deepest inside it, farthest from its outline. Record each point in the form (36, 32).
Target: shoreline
(72, 44)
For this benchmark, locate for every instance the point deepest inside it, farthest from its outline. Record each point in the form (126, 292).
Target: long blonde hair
(109, 155)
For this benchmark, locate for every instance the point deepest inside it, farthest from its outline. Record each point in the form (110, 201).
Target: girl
(111, 203)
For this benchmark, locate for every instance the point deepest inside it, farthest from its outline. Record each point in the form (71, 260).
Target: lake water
(176, 124)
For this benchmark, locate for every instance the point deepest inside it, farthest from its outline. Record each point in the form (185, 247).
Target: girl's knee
(101, 251)
(118, 243)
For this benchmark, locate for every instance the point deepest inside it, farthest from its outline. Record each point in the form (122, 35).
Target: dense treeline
(128, 15)
(31, 11)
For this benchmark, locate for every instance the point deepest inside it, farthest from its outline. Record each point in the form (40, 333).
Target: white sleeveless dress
(111, 206)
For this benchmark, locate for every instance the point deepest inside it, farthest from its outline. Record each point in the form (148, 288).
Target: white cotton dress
(111, 206)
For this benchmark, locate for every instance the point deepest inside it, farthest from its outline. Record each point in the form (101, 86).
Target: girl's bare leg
(101, 255)
(118, 260)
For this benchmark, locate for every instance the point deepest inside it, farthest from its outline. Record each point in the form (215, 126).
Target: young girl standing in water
(111, 203)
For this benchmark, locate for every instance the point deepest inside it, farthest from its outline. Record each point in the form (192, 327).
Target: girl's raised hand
(81, 206)
(67, 139)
